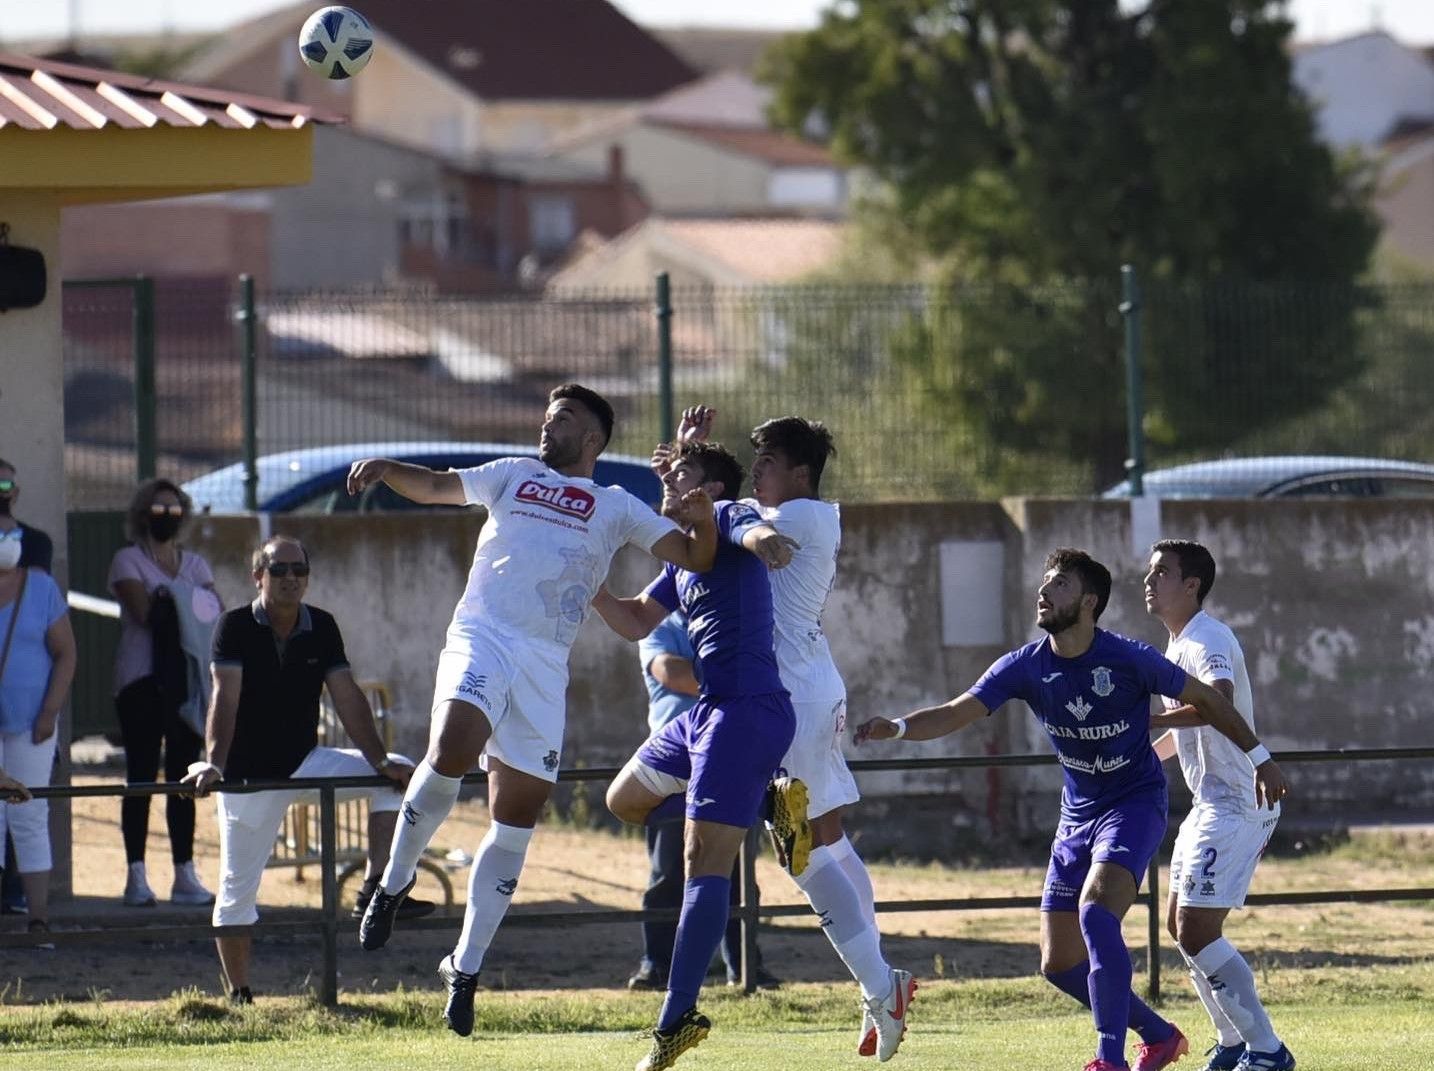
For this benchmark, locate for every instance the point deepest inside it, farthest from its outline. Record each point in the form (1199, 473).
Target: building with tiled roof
(461, 76)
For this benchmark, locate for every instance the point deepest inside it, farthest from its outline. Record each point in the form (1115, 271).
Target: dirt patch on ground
(581, 870)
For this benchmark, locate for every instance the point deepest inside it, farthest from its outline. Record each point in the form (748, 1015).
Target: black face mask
(162, 529)
(5, 505)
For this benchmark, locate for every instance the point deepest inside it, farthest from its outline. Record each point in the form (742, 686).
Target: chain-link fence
(932, 394)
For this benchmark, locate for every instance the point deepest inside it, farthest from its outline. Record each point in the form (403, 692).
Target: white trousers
(249, 822)
(28, 823)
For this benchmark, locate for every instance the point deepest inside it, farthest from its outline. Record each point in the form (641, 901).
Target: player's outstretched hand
(364, 474)
(663, 455)
(776, 550)
(696, 426)
(875, 729)
(1270, 784)
(694, 506)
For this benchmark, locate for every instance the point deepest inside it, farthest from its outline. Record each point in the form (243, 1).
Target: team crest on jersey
(1101, 683)
(572, 501)
(1079, 707)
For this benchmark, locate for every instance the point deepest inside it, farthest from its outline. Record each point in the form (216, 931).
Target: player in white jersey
(790, 455)
(550, 537)
(1222, 838)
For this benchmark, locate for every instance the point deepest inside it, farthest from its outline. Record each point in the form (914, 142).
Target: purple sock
(699, 932)
(1109, 981)
(1144, 1020)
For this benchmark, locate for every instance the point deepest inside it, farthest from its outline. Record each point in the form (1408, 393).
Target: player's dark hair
(1094, 578)
(804, 442)
(1195, 560)
(717, 465)
(592, 401)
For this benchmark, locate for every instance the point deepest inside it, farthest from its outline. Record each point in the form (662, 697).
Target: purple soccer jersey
(1096, 711)
(729, 610)
(727, 746)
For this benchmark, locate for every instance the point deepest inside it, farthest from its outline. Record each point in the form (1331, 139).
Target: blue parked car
(312, 480)
(1293, 476)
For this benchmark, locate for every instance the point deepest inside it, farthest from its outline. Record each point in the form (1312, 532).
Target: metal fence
(749, 911)
(932, 393)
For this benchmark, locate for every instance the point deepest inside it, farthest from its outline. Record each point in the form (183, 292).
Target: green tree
(1032, 147)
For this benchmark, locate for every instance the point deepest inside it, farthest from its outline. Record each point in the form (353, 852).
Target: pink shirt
(134, 657)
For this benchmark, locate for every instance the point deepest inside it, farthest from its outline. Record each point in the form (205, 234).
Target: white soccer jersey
(546, 547)
(799, 593)
(1216, 770)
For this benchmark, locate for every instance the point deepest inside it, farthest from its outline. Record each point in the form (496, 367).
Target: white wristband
(1258, 755)
(900, 724)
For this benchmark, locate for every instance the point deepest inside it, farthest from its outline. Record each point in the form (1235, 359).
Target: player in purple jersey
(722, 752)
(1091, 690)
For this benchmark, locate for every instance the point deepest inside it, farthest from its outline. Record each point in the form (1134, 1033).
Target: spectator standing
(153, 564)
(37, 665)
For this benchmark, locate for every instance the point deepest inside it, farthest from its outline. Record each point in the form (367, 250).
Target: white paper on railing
(91, 605)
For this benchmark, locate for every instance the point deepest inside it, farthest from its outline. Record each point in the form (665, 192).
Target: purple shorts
(1128, 834)
(726, 750)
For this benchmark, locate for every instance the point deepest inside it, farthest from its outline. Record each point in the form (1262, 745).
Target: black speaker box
(22, 277)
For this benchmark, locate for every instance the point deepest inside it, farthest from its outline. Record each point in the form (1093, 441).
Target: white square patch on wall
(973, 593)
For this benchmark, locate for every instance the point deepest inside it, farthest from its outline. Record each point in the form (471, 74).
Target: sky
(1409, 20)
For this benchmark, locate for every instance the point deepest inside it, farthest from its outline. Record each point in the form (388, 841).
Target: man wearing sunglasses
(37, 551)
(272, 659)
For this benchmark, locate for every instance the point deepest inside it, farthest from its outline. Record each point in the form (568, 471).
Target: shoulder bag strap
(14, 617)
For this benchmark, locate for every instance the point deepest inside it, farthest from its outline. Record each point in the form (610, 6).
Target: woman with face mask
(37, 665)
(149, 716)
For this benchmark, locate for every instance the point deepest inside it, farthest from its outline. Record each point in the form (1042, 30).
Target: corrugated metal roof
(38, 94)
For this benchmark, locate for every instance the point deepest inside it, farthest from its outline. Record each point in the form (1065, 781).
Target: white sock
(491, 885)
(855, 870)
(426, 804)
(1232, 986)
(1225, 1032)
(839, 906)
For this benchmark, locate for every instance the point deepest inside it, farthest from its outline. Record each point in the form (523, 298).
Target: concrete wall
(1332, 601)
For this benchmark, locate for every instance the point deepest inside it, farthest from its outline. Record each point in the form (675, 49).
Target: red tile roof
(534, 49)
(40, 94)
(773, 146)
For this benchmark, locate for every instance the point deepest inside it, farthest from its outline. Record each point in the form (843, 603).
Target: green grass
(1335, 1019)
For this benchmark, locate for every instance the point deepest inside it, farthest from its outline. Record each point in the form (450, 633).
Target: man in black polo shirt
(271, 660)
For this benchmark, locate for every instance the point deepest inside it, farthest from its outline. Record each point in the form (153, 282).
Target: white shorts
(816, 757)
(1216, 853)
(521, 690)
(249, 822)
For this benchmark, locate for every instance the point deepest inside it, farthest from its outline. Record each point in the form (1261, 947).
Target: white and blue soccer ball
(336, 42)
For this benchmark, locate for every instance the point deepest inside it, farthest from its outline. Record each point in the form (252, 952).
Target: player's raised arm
(696, 548)
(770, 545)
(927, 723)
(1217, 711)
(696, 424)
(631, 618)
(416, 483)
(1187, 716)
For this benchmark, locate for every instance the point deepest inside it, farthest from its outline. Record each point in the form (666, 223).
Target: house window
(438, 222)
(552, 223)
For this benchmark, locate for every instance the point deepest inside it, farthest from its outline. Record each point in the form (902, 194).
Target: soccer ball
(337, 42)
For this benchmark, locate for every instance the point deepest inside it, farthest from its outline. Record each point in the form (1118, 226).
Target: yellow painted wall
(401, 98)
(527, 125)
(679, 173)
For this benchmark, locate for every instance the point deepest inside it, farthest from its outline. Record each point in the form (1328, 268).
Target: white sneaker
(888, 1015)
(137, 892)
(187, 888)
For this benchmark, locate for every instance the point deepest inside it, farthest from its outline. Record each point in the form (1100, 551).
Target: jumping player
(790, 456)
(502, 675)
(722, 752)
(1091, 690)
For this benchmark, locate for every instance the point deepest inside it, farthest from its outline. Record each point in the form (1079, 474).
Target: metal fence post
(1153, 990)
(248, 355)
(144, 389)
(1130, 309)
(748, 909)
(328, 837)
(664, 356)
